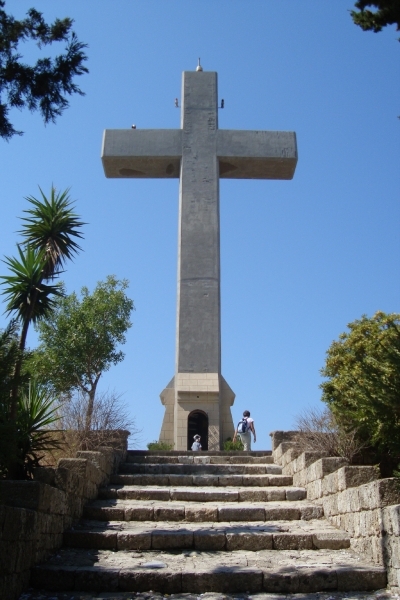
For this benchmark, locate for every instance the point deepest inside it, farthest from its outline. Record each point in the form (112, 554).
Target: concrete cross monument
(198, 399)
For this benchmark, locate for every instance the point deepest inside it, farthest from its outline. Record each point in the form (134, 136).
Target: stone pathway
(199, 527)
(379, 595)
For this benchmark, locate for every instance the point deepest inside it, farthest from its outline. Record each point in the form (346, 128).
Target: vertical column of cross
(198, 344)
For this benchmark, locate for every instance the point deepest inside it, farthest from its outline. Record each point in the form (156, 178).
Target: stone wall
(34, 514)
(353, 499)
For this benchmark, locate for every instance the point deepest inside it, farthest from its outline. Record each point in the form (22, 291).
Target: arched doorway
(198, 423)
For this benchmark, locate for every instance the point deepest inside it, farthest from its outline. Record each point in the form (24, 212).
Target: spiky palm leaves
(37, 412)
(28, 297)
(51, 227)
(49, 233)
(25, 441)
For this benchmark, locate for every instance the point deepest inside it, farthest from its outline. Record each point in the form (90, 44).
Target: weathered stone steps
(192, 512)
(199, 572)
(195, 523)
(190, 459)
(221, 455)
(188, 494)
(199, 469)
(203, 480)
(211, 536)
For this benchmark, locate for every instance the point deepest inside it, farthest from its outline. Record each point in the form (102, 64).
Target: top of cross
(158, 152)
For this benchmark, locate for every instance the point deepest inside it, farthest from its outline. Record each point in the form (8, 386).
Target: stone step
(199, 469)
(215, 453)
(123, 510)
(191, 494)
(203, 480)
(152, 458)
(275, 535)
(294, 571)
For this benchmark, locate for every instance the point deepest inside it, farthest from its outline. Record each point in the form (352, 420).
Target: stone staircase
(182, 522)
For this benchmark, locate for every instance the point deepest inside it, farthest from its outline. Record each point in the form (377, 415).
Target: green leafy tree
(45, 85)
(387, 13)
(80, 339)
(363, 383)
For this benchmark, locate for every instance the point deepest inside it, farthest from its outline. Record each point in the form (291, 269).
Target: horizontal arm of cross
(256, 154)
(157, 153)
(142, 152)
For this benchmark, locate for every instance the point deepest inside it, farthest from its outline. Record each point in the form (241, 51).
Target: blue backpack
(243, 426)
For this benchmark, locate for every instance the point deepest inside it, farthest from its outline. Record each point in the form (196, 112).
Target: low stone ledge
(33, 495)
(380, 493)
(16, 524)
(34, 514)
(354, 500)
(281, 451)
(278, 437)
(98, 459)
(391, 543)
(314, 489)
(84, 467)
(305, 459)
(391, 522)
(348, 477)
(313, 477)
(324, 466)
(290, 455)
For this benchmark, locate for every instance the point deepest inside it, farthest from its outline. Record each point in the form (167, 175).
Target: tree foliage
(9, 353)
(26, 294)
(363, 381)
(45, 85)
(51, 226)
(109, 418)
(80, 339)
(49, 233)
(387, 13)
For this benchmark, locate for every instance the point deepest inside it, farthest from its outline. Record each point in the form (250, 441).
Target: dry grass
(318, 431)
(110, 419)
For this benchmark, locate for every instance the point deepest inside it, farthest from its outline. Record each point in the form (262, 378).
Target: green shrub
(23, 444)
(362, 385)
(155, 446)
(229, 445)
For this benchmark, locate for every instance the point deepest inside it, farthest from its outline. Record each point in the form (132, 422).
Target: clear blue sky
(300, 259)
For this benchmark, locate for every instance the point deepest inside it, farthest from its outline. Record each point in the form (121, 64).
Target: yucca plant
(9, 354)
(51, 226)
(29, 298)
(48, 230)
(37, 413)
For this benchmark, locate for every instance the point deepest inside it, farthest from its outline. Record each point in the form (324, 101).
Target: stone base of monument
(203, 396)
(181, 522)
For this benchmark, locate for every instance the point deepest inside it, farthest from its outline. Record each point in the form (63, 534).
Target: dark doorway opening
(198, 424)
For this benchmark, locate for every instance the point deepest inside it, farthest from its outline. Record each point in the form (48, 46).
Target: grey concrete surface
(199, 154)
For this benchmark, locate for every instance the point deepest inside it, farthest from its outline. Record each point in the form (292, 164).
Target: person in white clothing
(196, 446)
(244, 430)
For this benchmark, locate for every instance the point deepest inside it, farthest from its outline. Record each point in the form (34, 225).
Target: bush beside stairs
(183, 522)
